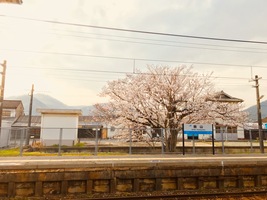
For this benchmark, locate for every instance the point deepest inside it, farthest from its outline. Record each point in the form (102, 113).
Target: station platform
(58, 175)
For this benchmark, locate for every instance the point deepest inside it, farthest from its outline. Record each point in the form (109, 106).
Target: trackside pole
(60, 141)
(222, 132)
(250, 140)
(21, 141)
(212, 136)
(162, 141)
(96, 141)
(183, 139)
(130, 142)
(194, 148)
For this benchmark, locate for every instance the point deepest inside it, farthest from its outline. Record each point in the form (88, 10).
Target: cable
(146, 39)
(133, 59)
(168, 45)
(132, 73)
(140, 31)
(157, 40)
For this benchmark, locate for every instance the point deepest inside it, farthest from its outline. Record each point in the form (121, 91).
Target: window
(6, 113)
(225, 129)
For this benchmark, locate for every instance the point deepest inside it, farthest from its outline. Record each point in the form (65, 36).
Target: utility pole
(30, 117)
(2, 91)
(261, 137)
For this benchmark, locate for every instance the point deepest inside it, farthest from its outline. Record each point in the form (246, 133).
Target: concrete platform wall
(130, 177)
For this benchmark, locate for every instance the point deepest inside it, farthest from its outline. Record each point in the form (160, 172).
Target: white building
(223, 131)
(59, 124)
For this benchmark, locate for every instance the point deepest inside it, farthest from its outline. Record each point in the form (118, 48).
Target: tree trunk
(172, 140)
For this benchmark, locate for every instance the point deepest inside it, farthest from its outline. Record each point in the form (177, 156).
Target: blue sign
(196, 129)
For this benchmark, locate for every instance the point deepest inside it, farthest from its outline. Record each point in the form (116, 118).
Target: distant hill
(253, 111)
(46, 101)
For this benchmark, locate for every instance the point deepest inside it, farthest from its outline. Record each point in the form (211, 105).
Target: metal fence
(131, 141)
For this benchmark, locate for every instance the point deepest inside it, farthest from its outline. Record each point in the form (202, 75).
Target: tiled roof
(89, 121)
(223, 97)
(11, 104)
(23, 121)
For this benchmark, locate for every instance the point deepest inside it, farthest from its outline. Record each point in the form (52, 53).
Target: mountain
(253, 115)
(46, 101)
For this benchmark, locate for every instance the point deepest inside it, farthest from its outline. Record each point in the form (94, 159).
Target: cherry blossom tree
(165, 97)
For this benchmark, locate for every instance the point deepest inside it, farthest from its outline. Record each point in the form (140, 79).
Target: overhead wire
(145, 59)
(139, 59)
(169, 45)
(139, 31)
(157, 40)
(132, 58)
(176, 46)
(124, 72)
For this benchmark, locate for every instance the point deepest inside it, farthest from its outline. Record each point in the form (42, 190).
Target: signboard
(196, 129)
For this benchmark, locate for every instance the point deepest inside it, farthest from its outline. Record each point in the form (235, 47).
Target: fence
(131, 141)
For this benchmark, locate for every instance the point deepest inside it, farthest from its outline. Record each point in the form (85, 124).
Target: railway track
(260, 194)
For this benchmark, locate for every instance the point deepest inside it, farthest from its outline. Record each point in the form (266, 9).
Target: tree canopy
(166, 97)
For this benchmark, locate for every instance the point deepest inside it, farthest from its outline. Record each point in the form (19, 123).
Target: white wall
(50, 129)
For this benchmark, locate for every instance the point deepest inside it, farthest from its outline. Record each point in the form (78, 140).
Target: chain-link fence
(121, 140)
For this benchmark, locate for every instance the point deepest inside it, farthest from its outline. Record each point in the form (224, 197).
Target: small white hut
(59, 124)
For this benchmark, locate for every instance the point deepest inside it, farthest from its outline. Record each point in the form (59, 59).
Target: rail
(240, 194)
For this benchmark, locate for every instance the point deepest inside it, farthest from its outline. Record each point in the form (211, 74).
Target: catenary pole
(30, 117)
(261, 138)
(2, 89)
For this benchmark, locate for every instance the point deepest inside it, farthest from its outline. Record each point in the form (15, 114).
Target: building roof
(23, 121)
(89, 121)
(11, 104)
(224, 97)
(60, 111)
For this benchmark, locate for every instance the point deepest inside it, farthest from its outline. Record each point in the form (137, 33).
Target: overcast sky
(73, 62)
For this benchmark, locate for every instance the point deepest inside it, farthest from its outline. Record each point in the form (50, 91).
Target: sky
(60, 48)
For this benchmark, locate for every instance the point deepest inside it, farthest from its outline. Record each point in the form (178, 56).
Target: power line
(169, 45)
(140, 31)
(132, 59)
(157, 40)
(124, 72)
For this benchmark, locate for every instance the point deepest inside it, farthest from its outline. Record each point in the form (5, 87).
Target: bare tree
(166, 98)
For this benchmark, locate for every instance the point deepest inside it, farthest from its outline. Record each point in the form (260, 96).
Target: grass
(9, 152)
(16, 152)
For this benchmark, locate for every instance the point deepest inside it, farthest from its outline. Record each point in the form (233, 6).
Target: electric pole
(261, 137)
(30, 117)
(2, 91)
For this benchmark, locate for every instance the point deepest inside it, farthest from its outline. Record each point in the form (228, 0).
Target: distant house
(252, 130)
(222, 131)
(87, 127)
(12, 108)
(35, 125)
(223, 97)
